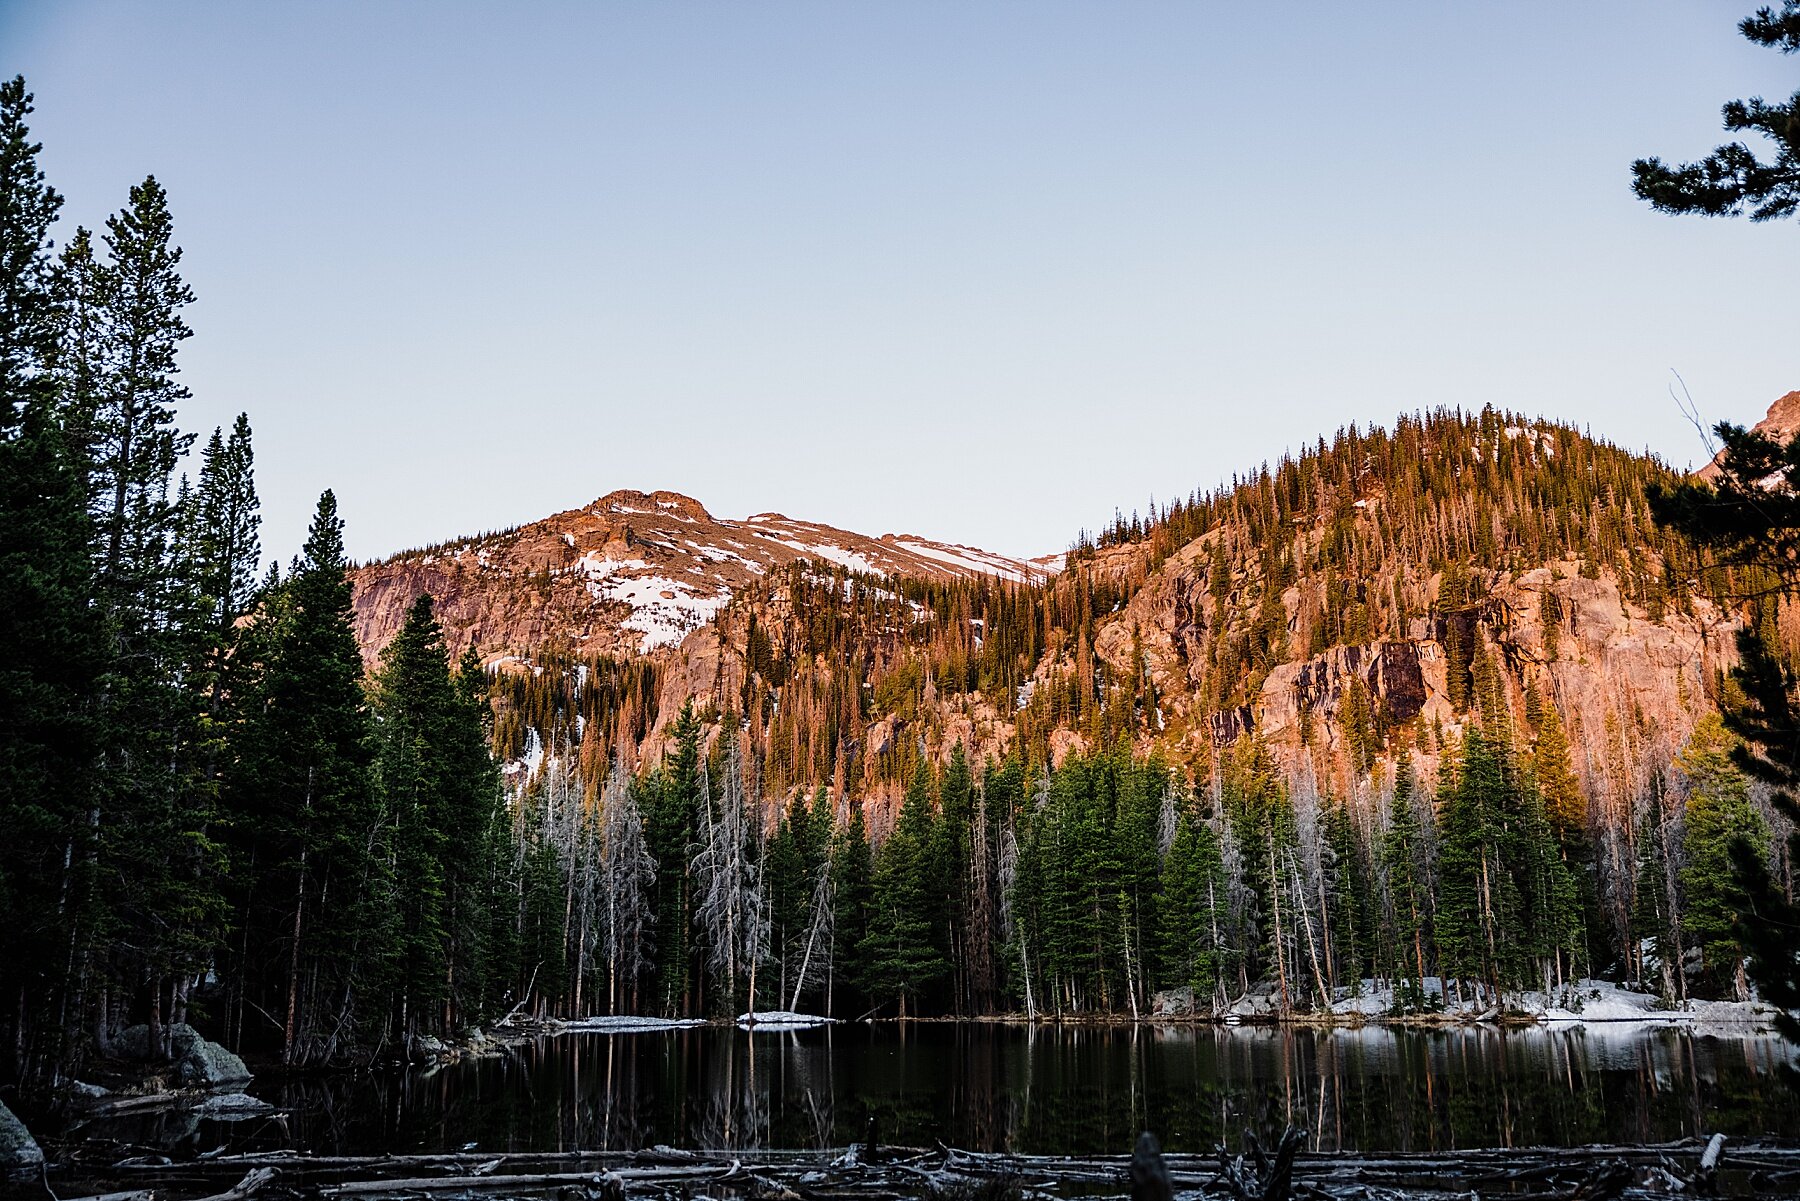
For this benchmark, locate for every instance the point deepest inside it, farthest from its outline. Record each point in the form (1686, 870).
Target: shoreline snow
(781, 1019)
(1580, 1003)
(622, 1023)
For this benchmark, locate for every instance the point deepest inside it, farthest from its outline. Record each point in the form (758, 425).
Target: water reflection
(994, 1087)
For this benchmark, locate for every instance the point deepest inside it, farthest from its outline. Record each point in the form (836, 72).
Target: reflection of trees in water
(803, 1087)
(734, 1105)
(1043, 1090)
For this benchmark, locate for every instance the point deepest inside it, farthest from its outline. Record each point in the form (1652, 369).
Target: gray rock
(1173, 1003)
(20, 1156)
(198, 1063)
(209, 1064)
(133, 1042)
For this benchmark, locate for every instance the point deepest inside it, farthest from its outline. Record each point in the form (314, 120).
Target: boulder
(1262, 1001)
(20, 1156)
(1173, 1003)
(198, 1063)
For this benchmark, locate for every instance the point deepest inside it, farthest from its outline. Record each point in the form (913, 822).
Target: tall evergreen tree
(1756, 527)
(312, 887)
(439, 788)
(49, 678)
(1191, 913)
(673, 829)
(852, 877)
(1408, 885)
(1718, 813)
(156, 855)
(901, 952)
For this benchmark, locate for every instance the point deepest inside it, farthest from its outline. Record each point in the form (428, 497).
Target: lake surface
(1045, 1090)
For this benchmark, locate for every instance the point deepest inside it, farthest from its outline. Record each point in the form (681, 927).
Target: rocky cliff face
(1629, 686)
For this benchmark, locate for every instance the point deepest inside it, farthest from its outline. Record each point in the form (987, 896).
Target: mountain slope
(1347, 608)
(633, 572)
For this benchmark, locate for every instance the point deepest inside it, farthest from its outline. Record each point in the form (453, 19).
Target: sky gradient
(979, 272)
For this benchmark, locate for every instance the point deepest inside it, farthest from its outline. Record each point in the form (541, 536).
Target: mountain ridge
(1333, 608)
(651, 565)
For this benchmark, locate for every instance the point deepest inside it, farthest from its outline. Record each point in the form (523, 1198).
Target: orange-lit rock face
(656, 576)
(632, 572)
(1781, 423)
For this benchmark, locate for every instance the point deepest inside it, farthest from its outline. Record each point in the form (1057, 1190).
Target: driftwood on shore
(866, 1172)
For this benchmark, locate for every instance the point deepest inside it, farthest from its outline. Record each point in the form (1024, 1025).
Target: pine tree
(305, 828)
(950, 866)
(52, 663)
(1351, 923)
(1263, 827)
(789, 890)
(1756, 528)
(223, 543)
(852, 881)
(1408, 882)
(1467, 922)
(439, 789)
(1732, 180)
(902, 957)
(473, 810)
(135, 445)
(1190, 911)
(155, 851)
(673, 829)
(1718, 814)
(411, 698)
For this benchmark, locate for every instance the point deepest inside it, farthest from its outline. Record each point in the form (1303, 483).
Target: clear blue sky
(976, 271)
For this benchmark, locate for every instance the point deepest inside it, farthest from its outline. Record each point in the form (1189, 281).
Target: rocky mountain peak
(1781, 423)
(1783, 418)
(661, 503)
(635, 572)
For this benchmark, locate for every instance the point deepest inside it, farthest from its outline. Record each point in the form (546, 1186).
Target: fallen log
(1278, 1172)
(515, 1182)
(1705, 1178)
(252, 1182)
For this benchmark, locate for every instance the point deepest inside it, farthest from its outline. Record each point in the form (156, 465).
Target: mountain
(634, 572)
(1356, 604)
(1781, 423)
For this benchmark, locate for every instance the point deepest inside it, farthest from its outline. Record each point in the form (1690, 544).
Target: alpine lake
(1034, 1090)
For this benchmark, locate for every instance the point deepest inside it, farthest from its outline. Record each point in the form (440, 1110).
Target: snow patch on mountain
(846, 559)
(663, 610)
(965, 558)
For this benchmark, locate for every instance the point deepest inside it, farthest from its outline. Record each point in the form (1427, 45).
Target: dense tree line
(212, 813)
(1095, 885)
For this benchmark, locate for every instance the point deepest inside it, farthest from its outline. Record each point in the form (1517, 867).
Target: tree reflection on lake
(1080, 1090)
